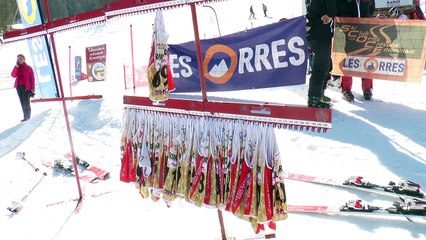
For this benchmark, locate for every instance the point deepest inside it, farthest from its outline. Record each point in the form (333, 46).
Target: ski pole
(399, 211)
(21, 155)
(17, 206)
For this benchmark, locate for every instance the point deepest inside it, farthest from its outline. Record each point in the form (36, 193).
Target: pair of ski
(413, 206)
(96, 174)
(90, 172)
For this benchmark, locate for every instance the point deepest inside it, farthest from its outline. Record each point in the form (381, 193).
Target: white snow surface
(382, 140)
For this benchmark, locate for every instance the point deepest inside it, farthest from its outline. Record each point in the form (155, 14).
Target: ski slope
(381, 140)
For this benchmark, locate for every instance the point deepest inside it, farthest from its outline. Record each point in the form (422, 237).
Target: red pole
(133, 59)
(64, 105)
(125, 79)
(69, 69)
(198, 50)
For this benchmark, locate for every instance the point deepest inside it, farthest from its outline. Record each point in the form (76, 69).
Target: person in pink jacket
(24, 84)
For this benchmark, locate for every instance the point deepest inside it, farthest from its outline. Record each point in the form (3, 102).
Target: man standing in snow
(356, 9)
(320, 31)
(24, 84)
(251, 13)
(265, 9)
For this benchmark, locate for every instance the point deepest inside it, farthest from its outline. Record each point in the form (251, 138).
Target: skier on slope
(252, 16)
(265, 9)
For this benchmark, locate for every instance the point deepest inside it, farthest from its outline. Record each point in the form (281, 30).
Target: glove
(31, 94)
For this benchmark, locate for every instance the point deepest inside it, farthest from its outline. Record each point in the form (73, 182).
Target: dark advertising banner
(95, 61)
(388, 49)
(268, 56)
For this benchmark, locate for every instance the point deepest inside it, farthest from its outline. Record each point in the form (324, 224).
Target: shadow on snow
(11, 138)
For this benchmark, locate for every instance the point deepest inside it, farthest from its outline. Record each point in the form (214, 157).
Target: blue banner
(39, 51)
(77, 67)
(268, 56)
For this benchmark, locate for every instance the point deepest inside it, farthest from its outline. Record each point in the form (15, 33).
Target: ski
(66, 167)
(100, 173)
(404, 188)
(408, 210)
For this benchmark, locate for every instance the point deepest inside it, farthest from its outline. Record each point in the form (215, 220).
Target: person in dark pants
(356, 9)
(320, 31)
(265, 9)
(251, 13)
(24, 84)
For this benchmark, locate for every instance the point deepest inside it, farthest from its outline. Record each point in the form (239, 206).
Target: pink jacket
(24, 74)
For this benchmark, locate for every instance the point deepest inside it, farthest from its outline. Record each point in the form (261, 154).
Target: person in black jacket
(357, 9)
(320, 31)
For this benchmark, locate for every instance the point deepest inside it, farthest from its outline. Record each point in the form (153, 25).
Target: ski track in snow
(382, 141)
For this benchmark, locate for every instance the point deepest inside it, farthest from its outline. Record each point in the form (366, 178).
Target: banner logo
(28, 10)
(220, 73)
(371, 65)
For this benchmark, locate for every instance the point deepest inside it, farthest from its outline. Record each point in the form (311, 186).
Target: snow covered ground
(381, 140)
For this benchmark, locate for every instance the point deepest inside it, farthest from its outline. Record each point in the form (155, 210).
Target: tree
(7, 12)
(58, 9)
(66, 8)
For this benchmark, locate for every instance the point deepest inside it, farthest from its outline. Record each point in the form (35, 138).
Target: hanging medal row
(226, 164)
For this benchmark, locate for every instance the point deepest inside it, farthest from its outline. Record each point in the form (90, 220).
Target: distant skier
(265, 9)
(252, 16)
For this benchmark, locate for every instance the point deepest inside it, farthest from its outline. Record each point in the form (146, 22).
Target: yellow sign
(388, 49)
(28, 9)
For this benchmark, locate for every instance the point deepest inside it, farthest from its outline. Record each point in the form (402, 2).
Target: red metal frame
(133, 60)
(66, 98)
(69, 69)
(198, 51)
(64, 105)
(115, 9)
(282, 116)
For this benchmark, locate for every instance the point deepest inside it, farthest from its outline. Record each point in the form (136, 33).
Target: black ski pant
(24, 98)
(320, 67)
